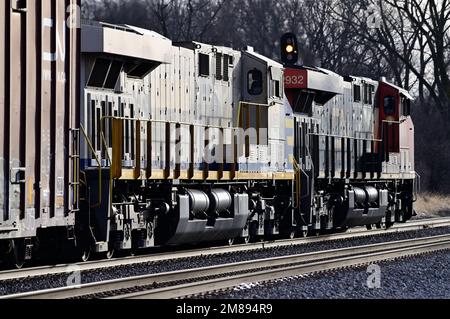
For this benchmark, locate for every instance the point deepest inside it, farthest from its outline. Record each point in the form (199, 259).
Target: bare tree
(412, 36)
(432, 20)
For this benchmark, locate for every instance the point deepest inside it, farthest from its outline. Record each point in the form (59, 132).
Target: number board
(295, 79)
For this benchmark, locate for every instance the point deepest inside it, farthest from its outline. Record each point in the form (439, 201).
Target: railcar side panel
(3, 74)
(39, 63)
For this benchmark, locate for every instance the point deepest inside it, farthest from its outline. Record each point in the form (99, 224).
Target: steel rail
(252, 266)
(220, 284)
(101, 264)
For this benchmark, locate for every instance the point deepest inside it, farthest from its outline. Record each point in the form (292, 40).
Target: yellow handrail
(113, 160)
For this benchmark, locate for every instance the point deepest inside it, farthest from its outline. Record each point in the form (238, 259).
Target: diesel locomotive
(114, 138)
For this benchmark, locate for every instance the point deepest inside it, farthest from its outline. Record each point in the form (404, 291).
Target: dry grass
(432, 205)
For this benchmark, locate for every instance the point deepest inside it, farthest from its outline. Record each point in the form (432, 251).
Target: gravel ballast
(61, 280)
(420, 277)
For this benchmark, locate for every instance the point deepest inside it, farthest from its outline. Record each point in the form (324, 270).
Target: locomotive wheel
(85, 254)
(243, 240)
(133, 251)
(388, 225)
(111, 250)
(292, 234)
(110, 253)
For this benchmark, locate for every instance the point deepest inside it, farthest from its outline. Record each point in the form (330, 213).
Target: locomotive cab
(395, 129)
(354, 139)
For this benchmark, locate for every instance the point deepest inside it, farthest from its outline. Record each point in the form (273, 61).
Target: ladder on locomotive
(74, 164)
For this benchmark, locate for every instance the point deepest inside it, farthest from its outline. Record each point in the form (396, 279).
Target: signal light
(289, 49)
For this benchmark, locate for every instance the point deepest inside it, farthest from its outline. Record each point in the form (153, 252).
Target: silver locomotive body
(175, 147)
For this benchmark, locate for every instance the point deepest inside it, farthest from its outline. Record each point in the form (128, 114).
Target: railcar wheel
(231, 242)
(304, 233)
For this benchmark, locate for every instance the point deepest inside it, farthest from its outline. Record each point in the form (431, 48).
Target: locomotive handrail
(105, 145)
(297, 182)
(394, 122)
(168, 122)
(416, 186)
(110, 163)
(313, 169)
(88, 140)
(349, 137)
(103, 118)
(307, 181)
(163, 122)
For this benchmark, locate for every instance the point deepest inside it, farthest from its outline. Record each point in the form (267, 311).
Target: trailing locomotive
(156, 143)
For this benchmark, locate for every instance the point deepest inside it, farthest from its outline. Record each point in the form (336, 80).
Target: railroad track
(129, 261)
(183, 283)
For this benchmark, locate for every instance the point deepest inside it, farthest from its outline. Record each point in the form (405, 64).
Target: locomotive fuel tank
(366, 195)
(195, 230)
(372, 194)
(198, 201)
(360, 195)
(220, 200)
(363, 206)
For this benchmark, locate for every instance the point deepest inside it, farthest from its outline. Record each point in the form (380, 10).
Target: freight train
(115, 139)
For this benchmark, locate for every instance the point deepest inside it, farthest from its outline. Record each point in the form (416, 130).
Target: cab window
(275, 90)
(203, 64)
(368, 93)
(356, 93)
(255, 82)
(406, 107)
(389, 105)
